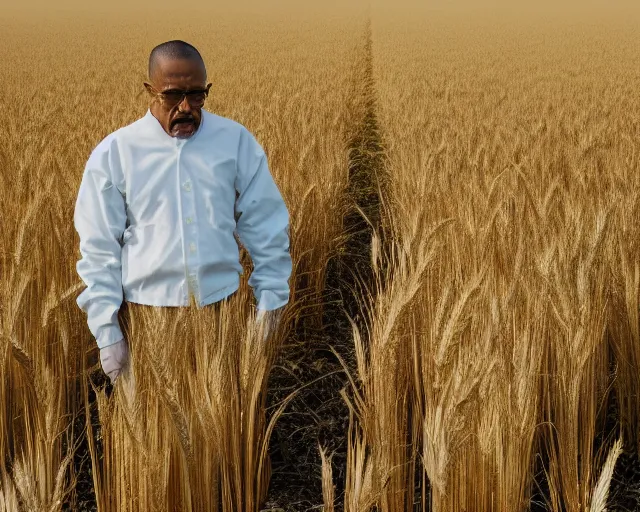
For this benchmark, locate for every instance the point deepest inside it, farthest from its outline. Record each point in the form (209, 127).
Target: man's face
(171, 76)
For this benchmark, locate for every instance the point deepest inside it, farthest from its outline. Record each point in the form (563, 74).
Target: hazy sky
(494, 8)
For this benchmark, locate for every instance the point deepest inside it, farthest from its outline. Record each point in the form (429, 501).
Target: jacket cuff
(110, 335)
(270, 300)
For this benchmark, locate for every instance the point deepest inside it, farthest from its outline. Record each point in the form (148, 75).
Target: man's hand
(268, 320)
(266, 315)
(114, 359)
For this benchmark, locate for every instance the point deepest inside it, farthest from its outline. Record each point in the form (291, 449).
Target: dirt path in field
(367, 173)
(319, 414)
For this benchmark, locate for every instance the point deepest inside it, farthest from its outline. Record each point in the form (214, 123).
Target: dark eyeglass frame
(179, 96)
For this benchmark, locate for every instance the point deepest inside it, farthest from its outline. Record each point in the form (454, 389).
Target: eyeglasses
(173, 97)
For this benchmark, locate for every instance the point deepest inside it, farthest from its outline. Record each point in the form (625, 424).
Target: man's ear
(149, 89)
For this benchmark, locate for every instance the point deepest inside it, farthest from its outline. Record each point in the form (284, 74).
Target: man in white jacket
(161, 200)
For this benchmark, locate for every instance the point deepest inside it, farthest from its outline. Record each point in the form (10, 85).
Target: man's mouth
(182, 122)
(183, 127)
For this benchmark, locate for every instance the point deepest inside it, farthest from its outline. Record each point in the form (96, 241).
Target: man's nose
(184, 106)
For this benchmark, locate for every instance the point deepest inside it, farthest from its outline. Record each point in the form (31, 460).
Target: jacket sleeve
(262, 225)
(100, 220)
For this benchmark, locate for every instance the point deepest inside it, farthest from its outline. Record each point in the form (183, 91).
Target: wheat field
(463, 332)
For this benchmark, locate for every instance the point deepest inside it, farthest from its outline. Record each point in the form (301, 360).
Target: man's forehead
(169, 70)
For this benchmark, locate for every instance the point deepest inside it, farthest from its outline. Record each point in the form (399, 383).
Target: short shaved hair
(175, 49)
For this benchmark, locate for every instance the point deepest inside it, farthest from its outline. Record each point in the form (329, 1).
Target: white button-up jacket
(157, 215)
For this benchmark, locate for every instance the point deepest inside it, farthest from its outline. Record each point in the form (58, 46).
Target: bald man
(161, 201)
